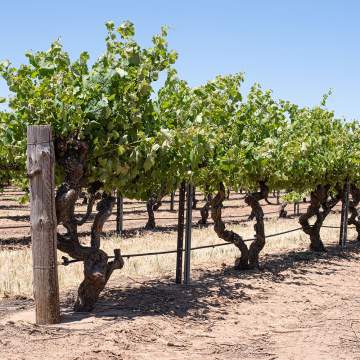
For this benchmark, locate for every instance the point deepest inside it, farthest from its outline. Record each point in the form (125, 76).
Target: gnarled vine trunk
(354, 215)
(228, 193)
(152, 205)
(320, 206)
(72, 157)
(249, 257)
(219, 226)
(253, 200)
(282, 211)
(204, 211)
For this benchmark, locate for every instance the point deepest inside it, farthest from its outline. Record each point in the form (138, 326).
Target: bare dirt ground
(299, 306)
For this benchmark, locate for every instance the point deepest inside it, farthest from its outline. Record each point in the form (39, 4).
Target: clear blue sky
(298, 48)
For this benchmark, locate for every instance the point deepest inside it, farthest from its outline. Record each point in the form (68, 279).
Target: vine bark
(253, 200)
(249, 257)
(320, 206)
(72, 156)
(152, 205)
(354, 215)
(204, 210)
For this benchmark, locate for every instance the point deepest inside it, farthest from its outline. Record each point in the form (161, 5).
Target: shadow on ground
(210, 289)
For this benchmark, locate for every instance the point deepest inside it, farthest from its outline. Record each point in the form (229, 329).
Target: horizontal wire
(66, 261)
(142, 219)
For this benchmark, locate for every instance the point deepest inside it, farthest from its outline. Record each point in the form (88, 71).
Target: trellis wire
(66, 261)
(159, 218)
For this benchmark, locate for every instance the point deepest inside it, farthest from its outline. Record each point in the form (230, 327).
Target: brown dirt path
(300, 306)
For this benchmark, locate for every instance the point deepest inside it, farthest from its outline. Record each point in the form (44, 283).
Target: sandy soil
(300, 306)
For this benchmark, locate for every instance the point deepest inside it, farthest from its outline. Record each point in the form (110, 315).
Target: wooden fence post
(40, 167)
(119, 214)
(188, 228)
(180, 234)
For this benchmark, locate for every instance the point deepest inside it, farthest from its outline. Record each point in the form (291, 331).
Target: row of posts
(186, 190)
(120, 211)
(184, 227)
(40, 165)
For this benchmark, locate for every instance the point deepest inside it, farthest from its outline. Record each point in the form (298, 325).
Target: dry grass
(16, 268)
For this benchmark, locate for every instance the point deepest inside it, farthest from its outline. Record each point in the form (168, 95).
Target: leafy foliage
(107, 105)
(144, 143)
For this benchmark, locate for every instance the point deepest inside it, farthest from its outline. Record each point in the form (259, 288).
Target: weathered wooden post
(180, 234)
(344, 216)
(119, 214)
(278, 197)
(40, 167)
(188, 228)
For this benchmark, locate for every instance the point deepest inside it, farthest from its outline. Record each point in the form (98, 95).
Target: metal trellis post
(189, 202)
(180, 235)
(119, 214)
(344, 216)
(172, 197)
